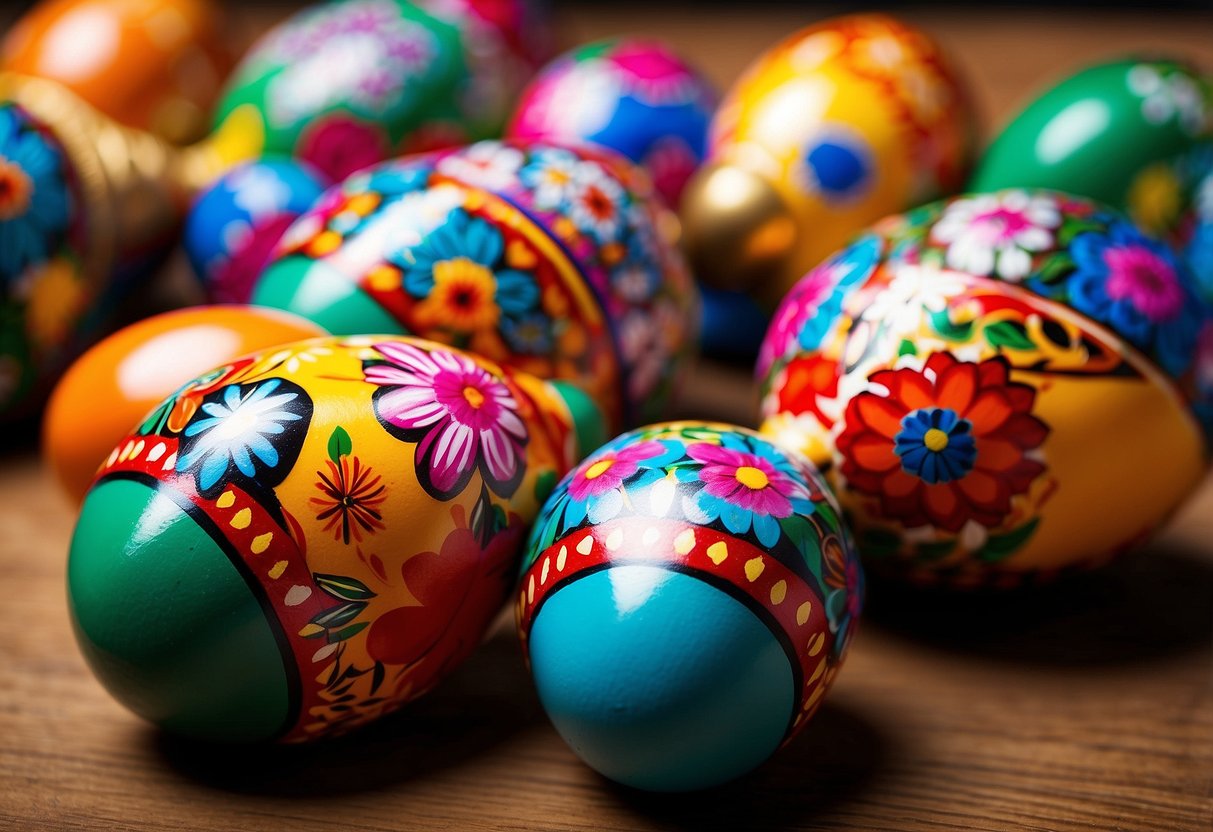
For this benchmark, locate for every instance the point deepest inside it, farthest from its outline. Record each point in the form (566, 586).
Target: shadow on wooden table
(1149, 605)
(840, 756)
(485, 702)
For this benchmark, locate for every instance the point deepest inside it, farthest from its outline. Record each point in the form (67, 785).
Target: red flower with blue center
(944, 445)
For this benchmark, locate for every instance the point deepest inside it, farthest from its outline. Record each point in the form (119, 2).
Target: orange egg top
(117, 382)
(154, 64)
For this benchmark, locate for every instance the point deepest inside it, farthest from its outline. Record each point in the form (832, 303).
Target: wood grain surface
(1085, 706)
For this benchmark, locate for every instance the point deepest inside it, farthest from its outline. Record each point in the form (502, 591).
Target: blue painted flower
(34, 199)
(748, 484)
(235, 432)
(465, 255)
(935, 445)
(397, 178)
(1135, 285)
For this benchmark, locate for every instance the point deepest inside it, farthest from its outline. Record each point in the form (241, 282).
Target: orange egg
(153, 64)
(116, 383)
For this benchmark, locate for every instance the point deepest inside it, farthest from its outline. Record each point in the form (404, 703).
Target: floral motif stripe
(744, 571)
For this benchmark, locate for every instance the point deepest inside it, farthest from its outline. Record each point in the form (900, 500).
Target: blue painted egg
(235, 224)
(633, 96)
(640, 99)
(687, 598)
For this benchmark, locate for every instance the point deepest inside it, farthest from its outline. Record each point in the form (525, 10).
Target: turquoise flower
(34, 201)
(466, 238)
(236, 431)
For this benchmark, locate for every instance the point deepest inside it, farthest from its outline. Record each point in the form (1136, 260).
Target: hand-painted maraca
(639, 98)
(688, 594)
(301, 541)
(996, 381)
(345, 85)
(554, 260)
(1135, 134)
(154, 64)
(632, 95)
(235, 224)
(839, 125)
(85, 201)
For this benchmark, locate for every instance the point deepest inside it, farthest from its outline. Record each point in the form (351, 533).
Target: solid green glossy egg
(1107, 133)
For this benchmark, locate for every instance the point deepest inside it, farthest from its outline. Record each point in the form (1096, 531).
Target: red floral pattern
(1000, 422)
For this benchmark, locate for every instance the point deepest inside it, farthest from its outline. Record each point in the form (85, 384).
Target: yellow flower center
(1154, 198)
(473, 396)
(463, 297)
(598, 469)
(15, 190)
(935, 440)
(752, 478)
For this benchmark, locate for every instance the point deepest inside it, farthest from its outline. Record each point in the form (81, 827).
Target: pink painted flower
(607, 471)
(338, 146)
(797, 308)
(461, 415)
(745, 480)
(656, 74)
(997, 234)
(1146, 280)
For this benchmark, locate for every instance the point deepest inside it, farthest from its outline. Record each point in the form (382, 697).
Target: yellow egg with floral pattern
(303, 540)
(994, 382)
(840, 124)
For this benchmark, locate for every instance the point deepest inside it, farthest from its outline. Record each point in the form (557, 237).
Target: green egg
(1109, 132)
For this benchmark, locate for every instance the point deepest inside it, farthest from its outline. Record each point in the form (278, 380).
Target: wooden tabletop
(1085, 706)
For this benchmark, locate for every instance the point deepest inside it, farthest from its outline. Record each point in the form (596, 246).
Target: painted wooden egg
(842, 123)
(634, 96)
(153, 64)
(122, 378)
(555, 260)
(1112, 132)
(638, 98)
(345, 85)
(687, 597)
(234, 224)
(47, 279)
(299, 542)
(1173, 200)
(993, 381)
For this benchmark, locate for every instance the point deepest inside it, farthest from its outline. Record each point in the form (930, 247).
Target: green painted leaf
(943, 325)
(340, 444)
(347, 589)
(1055, 268)
(1001, 547)
(342, 614)
(377, 676)
(1010, 335)
(343, 634)
(906, 348)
